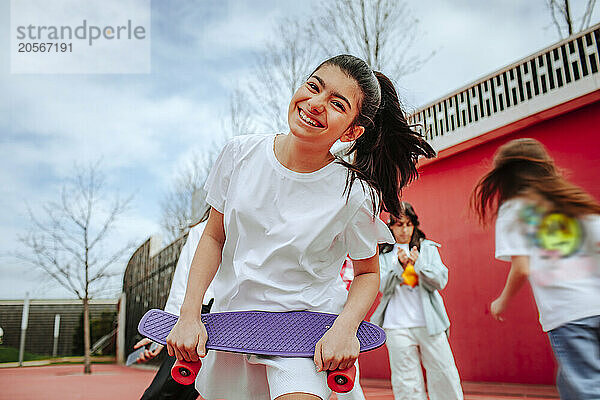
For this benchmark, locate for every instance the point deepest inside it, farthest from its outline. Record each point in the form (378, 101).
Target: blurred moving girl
(549, 230)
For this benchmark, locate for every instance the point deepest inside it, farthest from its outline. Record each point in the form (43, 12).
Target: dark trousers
(164, 387)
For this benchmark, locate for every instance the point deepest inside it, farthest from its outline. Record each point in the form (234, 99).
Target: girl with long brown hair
(413, 314)
(549, 229)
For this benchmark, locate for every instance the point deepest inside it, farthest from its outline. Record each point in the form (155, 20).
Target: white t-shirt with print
(405, 309)
(287, 233)
(564, 256)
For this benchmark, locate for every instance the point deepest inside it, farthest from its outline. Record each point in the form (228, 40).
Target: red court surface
(114, 382)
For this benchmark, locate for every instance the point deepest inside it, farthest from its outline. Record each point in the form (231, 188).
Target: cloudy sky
(145, 126)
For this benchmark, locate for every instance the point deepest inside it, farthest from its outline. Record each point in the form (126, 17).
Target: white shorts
(234, 376)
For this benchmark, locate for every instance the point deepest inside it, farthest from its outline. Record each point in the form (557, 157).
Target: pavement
(115, 382)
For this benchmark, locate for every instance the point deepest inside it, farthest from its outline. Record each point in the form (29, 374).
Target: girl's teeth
(307, 120)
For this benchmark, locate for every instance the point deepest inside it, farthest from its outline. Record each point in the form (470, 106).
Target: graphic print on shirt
(555, 234)
(558, 240)
(560, 233)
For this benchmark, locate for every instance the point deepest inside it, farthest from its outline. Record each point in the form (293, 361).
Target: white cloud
(248, 25)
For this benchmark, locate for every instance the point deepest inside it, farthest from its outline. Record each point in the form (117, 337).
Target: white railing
(555, 75)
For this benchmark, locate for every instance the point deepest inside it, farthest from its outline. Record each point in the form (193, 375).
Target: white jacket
(433, 276)
(182, 270)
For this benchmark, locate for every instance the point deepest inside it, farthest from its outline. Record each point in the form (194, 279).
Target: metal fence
(559, 73)
(146, 283)
(42, 325)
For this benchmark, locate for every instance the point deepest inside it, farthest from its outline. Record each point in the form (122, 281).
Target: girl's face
(323, 108)
(402, 230)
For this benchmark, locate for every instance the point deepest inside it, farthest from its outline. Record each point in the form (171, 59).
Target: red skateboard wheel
(341, 380)
(185, 372)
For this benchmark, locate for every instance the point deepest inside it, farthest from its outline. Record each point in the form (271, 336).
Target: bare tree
(586, 19)
(563, 19)
(238, 120)
(68, 239)
(279, 70)
(185, 203)
(180, 205)
(382, 32)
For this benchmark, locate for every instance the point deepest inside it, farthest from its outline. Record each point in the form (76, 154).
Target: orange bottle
(410, 276)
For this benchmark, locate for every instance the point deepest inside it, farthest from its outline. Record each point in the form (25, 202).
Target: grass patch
(11, 354)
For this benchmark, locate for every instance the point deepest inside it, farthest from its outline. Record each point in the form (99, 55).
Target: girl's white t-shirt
(564, 259)
(287, 233)
(405, 309)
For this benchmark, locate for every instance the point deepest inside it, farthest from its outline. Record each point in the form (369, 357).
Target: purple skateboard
(286, 334)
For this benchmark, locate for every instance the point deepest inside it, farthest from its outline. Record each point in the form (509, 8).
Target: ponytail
(391, 156)
(386, 154)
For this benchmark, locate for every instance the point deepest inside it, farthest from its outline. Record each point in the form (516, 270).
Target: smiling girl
(285, 213)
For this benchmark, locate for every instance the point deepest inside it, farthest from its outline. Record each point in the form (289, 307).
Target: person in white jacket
(413, 315)
(163, 385)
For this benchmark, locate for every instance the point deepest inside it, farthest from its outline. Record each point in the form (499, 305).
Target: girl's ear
(352, 133)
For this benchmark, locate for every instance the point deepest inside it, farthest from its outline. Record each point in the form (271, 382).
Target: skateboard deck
(285, 334)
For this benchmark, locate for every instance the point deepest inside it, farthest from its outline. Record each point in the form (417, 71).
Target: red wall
(515, 350)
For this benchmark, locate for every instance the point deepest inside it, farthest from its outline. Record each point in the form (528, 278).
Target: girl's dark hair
(522, 166)
(385, 155)
(417, 236)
